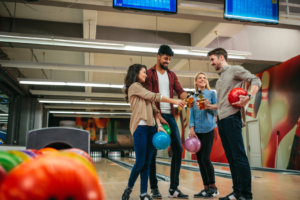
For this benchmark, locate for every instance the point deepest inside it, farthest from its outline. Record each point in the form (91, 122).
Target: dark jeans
(230, 130)
(176, 155)
(203, 157)
(143, 147)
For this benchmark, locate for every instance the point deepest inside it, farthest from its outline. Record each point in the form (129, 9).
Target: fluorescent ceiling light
(3, 114)
(88, 113)
(60, 83)
(82, 102)
(237, 55)
(103, 44)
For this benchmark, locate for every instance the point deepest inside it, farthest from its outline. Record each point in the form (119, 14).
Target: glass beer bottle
(186, 100)
(200, 100)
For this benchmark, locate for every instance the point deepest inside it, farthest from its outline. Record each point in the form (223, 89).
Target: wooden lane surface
(269, 186)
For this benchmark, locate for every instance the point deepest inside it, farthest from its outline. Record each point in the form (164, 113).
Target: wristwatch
(250, 96)
(159, 125)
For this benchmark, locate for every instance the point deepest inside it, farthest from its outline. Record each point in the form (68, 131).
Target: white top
(163, 86)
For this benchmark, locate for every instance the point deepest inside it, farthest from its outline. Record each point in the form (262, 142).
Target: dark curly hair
(165, 50)
(132, 77)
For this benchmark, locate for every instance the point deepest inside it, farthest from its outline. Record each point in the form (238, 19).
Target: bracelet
(159, 125)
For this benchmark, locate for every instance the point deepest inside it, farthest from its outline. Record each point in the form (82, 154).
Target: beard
(163, 67)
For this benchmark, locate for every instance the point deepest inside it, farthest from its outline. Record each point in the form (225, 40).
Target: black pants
(203, 157)
(230, 131)
(176, 156)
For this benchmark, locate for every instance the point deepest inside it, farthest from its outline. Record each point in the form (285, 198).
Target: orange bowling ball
(48, 150)
(51, 177)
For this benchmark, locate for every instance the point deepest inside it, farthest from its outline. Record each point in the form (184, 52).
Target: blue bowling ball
(161, 140)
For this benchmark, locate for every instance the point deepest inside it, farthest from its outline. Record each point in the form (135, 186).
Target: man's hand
(242, 102)
(163, 121)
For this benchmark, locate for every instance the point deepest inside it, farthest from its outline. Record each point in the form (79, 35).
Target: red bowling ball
(234, 94)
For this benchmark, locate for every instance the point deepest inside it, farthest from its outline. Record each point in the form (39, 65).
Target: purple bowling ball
(192, 145)
(29, 153)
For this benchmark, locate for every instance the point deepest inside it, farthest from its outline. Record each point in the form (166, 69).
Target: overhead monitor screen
(257, 11)
(166, 6)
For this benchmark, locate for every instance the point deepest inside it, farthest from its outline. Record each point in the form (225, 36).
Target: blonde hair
(207, 83)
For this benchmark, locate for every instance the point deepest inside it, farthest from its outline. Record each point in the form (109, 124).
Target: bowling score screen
(258, 11)
(166, 6)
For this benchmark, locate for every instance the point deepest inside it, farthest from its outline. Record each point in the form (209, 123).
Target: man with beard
(231, 120)
(161, 80)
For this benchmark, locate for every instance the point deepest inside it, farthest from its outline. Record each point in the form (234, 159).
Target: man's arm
(255, 82)
(183, 95)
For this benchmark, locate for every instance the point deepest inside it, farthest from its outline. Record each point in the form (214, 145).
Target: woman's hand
(180, 103)
(192, 134)
(160, 128)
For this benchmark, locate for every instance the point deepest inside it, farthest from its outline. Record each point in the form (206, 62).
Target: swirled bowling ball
(82, 153)
(161, 140)
(192, 145)
(51, 177)
(9, 161)
(20, 154)
(36, 152)
(234, 94)
(167, 129)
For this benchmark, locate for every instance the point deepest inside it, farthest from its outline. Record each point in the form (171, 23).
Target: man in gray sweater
(231, 120)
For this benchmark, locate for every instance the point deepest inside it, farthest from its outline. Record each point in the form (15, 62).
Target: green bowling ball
(9, 161)
(167, 129)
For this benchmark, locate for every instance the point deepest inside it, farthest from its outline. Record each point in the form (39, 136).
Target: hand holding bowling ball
(161, 140)
(192, 145)
(193, 134)
(237, 97)
(167, 129)
(161, 129)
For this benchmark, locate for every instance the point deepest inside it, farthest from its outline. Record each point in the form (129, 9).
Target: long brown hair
(207, 83)
(132, 77)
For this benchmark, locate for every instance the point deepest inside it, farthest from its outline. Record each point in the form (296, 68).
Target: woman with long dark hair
(142, 125)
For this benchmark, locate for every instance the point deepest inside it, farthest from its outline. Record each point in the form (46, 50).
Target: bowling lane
(190, 181)
(269, 186)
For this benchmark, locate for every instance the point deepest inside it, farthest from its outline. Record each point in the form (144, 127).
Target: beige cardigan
(142, 105)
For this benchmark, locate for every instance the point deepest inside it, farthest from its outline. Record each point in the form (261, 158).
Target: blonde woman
(202, 125)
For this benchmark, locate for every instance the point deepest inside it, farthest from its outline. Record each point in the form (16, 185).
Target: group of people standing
(150, 94)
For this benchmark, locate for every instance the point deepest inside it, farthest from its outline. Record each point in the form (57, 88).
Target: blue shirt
(203, 121)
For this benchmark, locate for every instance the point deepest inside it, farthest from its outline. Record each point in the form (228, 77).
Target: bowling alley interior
(65, 126)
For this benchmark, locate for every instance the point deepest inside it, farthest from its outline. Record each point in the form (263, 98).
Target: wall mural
(277, 106)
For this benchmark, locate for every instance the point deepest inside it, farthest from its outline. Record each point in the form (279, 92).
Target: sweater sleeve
(136, 89)
(245, 75)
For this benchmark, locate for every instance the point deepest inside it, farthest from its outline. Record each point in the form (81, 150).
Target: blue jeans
(176, 155)
(230, 131)
(142, 139)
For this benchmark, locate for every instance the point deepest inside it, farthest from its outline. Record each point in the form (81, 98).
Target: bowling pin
(186, 130)
(284, 149)
(263, 113)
